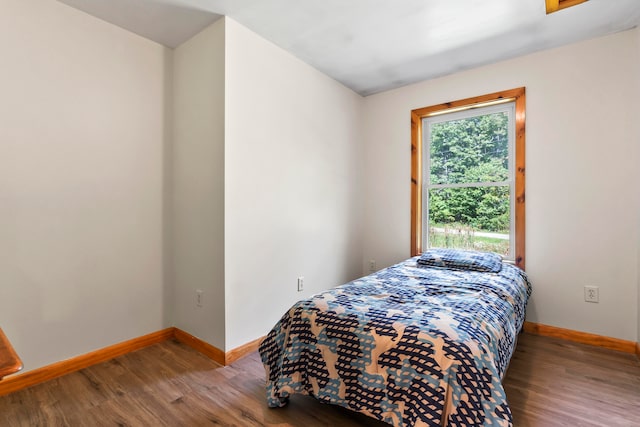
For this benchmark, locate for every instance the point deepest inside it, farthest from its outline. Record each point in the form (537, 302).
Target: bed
(425, 342)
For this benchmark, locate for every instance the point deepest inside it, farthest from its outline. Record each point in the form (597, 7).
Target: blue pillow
(458, 259)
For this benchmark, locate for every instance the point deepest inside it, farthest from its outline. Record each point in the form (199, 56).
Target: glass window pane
(475, 218)
(472, 149)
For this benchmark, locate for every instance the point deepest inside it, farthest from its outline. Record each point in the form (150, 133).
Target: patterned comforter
(408, 345)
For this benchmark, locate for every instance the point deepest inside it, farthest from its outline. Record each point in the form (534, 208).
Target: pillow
(458, 259)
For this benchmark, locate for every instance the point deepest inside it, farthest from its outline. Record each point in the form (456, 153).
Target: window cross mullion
(471, 184)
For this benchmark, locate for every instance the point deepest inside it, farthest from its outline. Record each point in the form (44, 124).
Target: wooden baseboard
(243, 350)
(638, 349)
(582, 337)
(55, 370)
(213, 352)
(21, 381)
(203, 347)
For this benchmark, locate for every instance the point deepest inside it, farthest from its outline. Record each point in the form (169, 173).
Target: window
(467, 178)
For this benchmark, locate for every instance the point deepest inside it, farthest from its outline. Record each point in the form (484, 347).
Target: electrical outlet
(591, 294)
(199, 297)
(372, 265)
(300, 284)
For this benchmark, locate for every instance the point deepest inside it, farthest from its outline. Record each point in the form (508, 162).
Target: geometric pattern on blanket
(408, 345)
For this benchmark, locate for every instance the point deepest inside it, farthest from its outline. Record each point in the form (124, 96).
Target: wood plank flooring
(550, 382)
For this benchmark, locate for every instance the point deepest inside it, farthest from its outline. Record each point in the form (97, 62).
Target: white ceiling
(376, 45)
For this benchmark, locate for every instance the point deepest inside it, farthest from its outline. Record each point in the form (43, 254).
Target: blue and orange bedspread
(408, 345)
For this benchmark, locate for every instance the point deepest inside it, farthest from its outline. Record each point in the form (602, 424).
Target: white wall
(197, 193)
(292, 183)
(637, 123)
(81, 150)
(281, 185)
(582, 162)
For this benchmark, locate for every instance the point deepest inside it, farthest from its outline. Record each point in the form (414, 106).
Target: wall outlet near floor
(300, 284)
(199, 297)
(591, 294)
(372, 265)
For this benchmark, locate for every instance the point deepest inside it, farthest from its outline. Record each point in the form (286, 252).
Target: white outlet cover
(591, 294)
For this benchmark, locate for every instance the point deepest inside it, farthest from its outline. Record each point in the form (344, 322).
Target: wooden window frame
(516, 95)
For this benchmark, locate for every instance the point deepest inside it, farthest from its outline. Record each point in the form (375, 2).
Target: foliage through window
(468, 175)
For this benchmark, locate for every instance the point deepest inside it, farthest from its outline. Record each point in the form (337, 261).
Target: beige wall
(582, 176)
(275, 171)
(293, 160)
(637, 123)
(197, 190)
(82, 118)
(264, 180)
